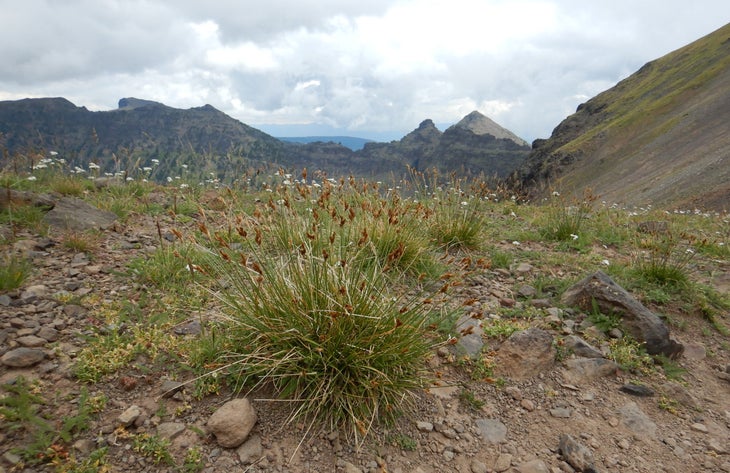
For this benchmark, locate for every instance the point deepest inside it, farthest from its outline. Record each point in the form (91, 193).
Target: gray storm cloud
(360, 67)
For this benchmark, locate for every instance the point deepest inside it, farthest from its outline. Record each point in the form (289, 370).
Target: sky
(367, 68)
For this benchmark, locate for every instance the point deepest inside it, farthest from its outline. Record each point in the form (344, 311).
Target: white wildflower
(465, 203)
(605, 262)
(516, 243)
(31, 178)
(573, 236)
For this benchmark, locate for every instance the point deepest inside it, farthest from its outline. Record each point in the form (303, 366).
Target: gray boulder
(637, 320)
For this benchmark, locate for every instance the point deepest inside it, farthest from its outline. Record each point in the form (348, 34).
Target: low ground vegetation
(333, 294)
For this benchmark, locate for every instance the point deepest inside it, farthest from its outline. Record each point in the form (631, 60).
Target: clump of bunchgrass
(327, 334)
(455, 211)
(80, 241)
(311, 309)
(566, 217)
(13, 271)
(664, 257)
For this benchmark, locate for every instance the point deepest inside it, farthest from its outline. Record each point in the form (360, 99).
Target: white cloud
(381, 65)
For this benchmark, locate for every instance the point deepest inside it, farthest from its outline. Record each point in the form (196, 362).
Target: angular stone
(525, 354)
(424, 426)
(470, 341)
(34, 292)
(31, 341)
(492, 430)
(586, 369)
(637, 421)
(533, 466)
(581, 348)
(504, 461)
(640, 322)
(680, 394)
(73, 310)
(71, 213)
(169, 387)
(232, 422)
(478, 466)
(577, 455)
(251, 450)
(561, 412)
(128, 417)
(49, 334)
(22, 357)
(170, 430)
(637, 390)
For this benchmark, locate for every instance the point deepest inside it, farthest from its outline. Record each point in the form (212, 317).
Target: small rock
(527, 291)
(695, 351)
(577, 455)
(680, 394)
(350, 468)
(251, 450)
(540, 303)
(5, 300)
(534, 466)
(586, 369)
(75, 311)
(514, 392)
(616, 333)
(504, 461)
(525, 354)
(581, 348)
(478, 466)
(170, 430)
(49, 334)
(492, 430)
(698, 427)
(190, 328)
(636, 421)
(232, 422)
(561, 412)
(84, 446)
(130, 415)
(637, 390)
(524, 268)
(34, 292)
(22, 357)
(717, 446)
(169, 387)
(424, 426)
(31, 341)
(527, 405)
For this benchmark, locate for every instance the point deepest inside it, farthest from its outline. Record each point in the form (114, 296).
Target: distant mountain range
(351, 142)
(661, 136)
(203, 140)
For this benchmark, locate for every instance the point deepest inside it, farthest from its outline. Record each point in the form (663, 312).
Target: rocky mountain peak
(480, 124)
(130, 103)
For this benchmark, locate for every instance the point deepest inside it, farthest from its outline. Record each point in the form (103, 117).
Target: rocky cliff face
(658, 137)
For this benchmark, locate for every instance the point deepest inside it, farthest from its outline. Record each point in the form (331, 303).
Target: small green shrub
(153, 447)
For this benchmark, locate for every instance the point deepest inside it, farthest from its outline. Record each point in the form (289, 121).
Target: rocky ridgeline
(577, 412)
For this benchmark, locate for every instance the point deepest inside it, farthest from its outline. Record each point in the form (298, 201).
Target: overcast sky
(371, 68)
